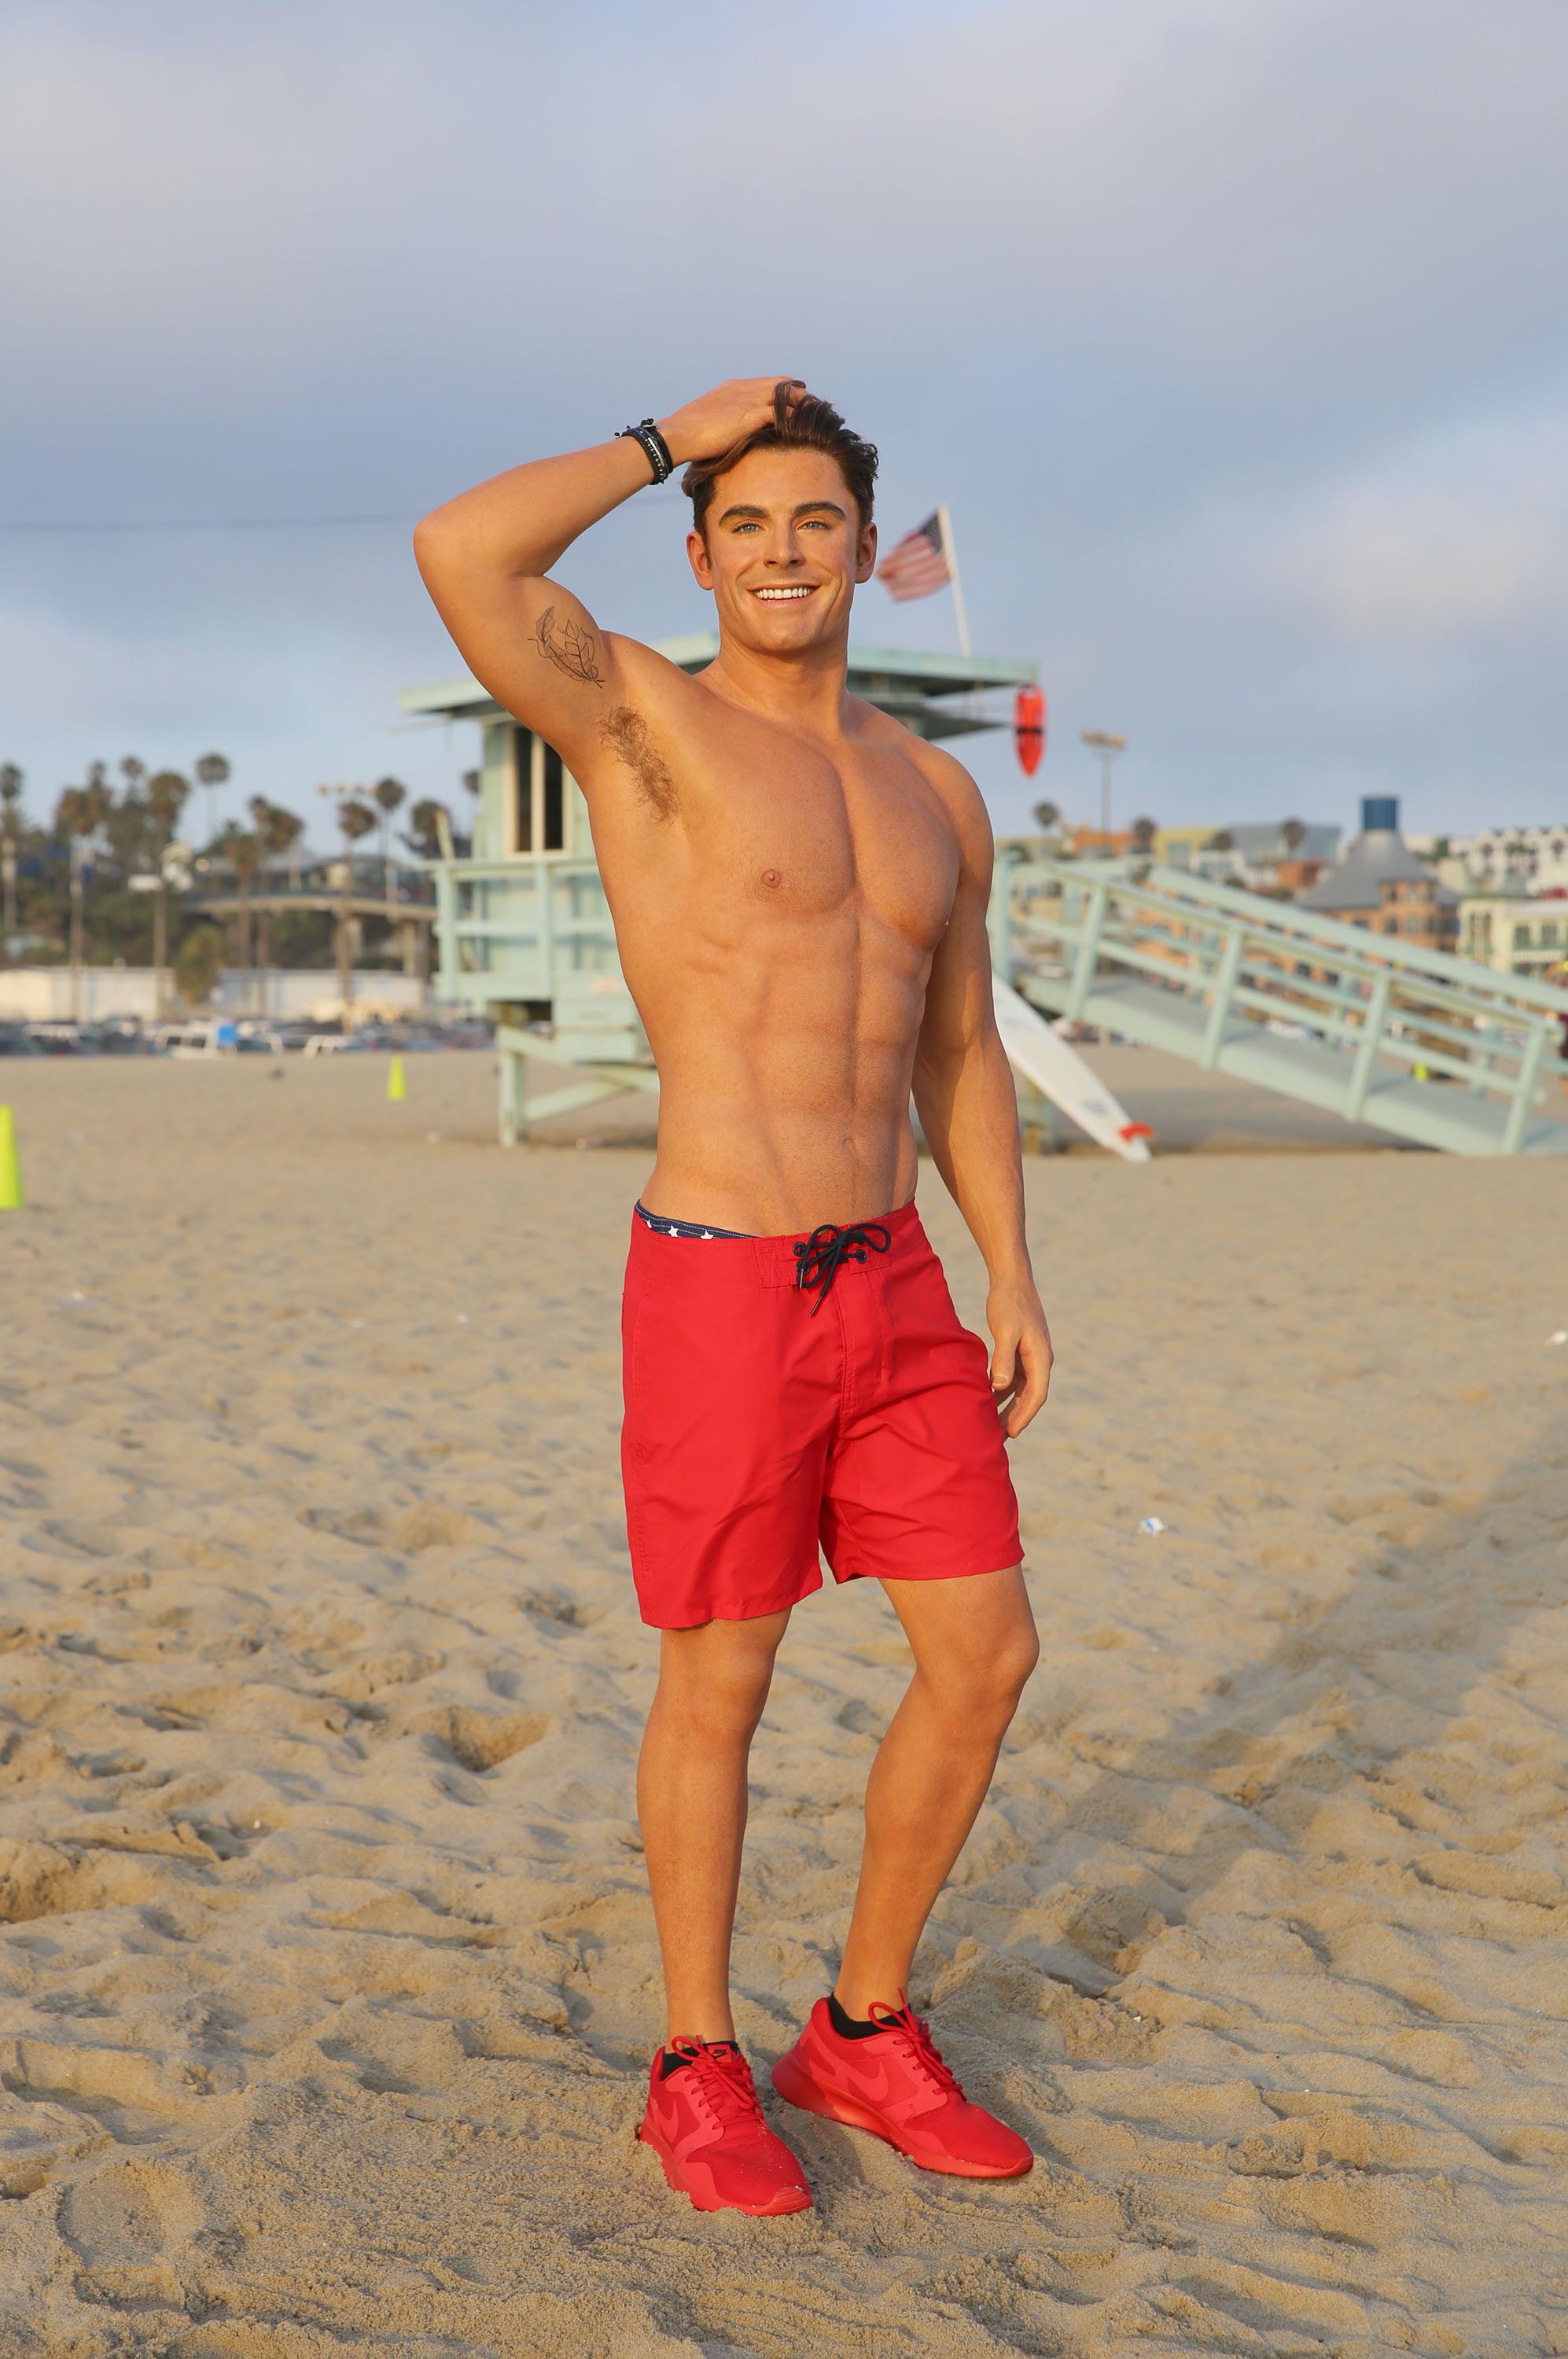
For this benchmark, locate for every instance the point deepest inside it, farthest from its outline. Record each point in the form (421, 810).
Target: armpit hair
(625, 733)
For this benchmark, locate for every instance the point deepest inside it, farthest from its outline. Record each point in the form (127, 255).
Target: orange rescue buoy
(1029, 728)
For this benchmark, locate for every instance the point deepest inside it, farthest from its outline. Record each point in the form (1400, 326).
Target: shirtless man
(798, 888)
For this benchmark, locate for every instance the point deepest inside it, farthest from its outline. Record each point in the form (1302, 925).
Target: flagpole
(944, 526)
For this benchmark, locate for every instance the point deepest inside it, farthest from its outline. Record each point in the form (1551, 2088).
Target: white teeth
(802, 589)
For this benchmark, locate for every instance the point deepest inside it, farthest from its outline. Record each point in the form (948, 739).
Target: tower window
(541, 792)
(554, 813)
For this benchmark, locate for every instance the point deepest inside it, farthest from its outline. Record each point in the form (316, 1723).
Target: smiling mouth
(795, 590)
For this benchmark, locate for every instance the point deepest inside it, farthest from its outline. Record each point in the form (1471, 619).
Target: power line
(254, 524)
(202, 524)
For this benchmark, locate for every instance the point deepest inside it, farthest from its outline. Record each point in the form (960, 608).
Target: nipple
(772, 876)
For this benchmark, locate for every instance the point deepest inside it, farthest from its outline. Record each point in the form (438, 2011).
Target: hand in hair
(716, 422)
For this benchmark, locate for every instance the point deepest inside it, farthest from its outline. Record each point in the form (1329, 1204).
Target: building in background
(1268, 855)
(1499, 859)
(1515, 931)
(1382, 886)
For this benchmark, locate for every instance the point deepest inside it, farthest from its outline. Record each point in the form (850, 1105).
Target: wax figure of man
(798, 888)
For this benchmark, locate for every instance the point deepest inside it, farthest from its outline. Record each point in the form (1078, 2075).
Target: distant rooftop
(918, 688)
(1378, 856)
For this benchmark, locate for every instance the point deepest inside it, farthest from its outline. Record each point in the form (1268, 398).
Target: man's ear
(697, 555)
(865, 556)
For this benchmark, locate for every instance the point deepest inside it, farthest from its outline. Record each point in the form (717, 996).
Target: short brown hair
(812, 424)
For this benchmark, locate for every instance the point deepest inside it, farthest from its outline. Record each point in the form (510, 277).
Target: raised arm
(969, 1111)
(487, 560)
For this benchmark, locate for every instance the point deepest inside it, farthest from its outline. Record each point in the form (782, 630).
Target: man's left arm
(969, 1109)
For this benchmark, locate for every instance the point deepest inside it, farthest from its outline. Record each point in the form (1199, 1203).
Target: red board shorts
(756, 1434)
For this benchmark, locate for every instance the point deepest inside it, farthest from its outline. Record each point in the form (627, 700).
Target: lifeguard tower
(522, 927)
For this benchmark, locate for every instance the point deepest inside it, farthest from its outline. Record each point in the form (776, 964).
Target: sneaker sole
(789, 2198)
(796, 2086)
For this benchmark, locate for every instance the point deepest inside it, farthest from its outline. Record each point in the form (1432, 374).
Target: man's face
(784, 551)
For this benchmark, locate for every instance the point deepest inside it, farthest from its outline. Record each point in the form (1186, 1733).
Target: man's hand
(1020, 1359)
(716, 422)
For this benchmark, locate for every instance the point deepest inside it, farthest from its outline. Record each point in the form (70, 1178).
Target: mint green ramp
(1425, 1047)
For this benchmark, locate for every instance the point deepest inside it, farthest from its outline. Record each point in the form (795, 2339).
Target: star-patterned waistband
(664, 1227)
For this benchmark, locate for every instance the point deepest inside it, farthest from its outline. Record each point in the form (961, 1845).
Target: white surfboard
(1045, 1057)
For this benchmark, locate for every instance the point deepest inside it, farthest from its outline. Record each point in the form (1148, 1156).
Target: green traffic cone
(395, 1089)
(10, 1169)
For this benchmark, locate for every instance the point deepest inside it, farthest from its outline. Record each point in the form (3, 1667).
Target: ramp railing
(1374, 1026)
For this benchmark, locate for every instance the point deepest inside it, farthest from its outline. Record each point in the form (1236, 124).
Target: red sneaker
(705, 2125)
(895, 2084)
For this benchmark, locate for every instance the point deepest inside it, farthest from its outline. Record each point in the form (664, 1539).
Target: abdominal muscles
(785, 1051)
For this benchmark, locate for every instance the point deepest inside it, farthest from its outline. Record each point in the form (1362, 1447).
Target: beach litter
(1153, 1523)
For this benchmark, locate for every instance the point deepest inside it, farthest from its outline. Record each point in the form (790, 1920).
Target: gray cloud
(1228, 332)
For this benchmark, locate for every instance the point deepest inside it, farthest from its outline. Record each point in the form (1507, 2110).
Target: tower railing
(1375, 1027)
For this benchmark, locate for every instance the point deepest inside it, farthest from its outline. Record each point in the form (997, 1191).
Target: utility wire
(204, 524)
(244, 524)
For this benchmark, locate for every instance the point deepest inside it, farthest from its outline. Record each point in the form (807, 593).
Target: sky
(1232, 333)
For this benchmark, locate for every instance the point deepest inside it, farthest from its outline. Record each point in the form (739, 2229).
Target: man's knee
(986, 1685)
(715, 1689)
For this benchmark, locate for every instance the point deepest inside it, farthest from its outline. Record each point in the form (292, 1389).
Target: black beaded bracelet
(656, 449)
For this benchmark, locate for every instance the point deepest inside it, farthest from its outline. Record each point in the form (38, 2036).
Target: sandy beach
(327, 1975)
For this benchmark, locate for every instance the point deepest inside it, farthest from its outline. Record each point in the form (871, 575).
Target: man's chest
(793, 835)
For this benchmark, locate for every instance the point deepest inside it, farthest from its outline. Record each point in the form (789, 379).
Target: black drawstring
(818, 1261)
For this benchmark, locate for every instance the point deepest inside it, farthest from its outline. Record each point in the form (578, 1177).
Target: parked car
(119, 1035)
(205, 1039)
(15, 1040)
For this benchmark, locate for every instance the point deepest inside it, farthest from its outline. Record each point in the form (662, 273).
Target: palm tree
(1144, 831)
(1292, 835)
(79, 814)
(388, 793)
(279, 830)
(10, 829)
(356, 819)
(166, 794)
(213, 770)
(1045, 816)
(243, 852)
(129, 824)
(423, 835)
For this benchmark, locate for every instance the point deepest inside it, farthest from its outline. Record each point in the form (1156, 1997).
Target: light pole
(1108, 747)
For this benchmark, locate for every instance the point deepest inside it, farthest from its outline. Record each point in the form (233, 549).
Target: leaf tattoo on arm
(569, 650)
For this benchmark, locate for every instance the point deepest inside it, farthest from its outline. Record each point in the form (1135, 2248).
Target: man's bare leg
(691, 1797)
(975, 1646)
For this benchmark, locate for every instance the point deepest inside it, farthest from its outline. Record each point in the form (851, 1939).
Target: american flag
(916, 565)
